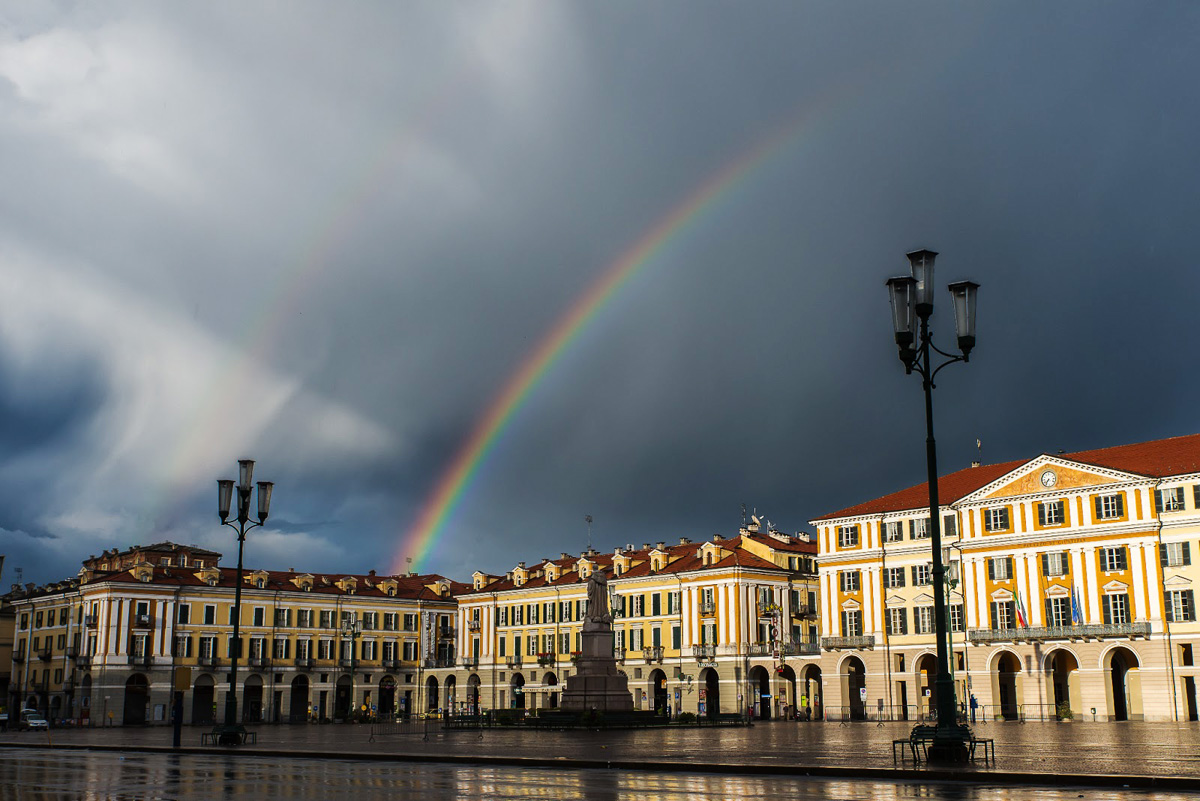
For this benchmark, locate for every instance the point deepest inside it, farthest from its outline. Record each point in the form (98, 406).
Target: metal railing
(619, 654)
(140, 659)
(346, 662)
(210, 661)
(446, 632)
(652, 653)
(45, 653)
(708, 607)
(391, 663)
(1084, 631)
(439, 661)
(861, 641)
(512, 661)
(18, 656)
(259, 661)
(143, 621)
(72, 651)
(800, 648)
(473, 625)
(90, 620)
(761, 649)
(470, 661)
(545, 659)
(303, 662)
(703, 652)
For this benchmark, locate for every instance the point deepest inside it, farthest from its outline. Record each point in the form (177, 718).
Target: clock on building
(1049, 479)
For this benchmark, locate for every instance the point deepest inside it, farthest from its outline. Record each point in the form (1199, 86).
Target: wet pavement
(62, 775)
(1083, 749)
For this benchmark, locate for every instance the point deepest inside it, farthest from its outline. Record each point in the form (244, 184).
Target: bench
(214, 737)
(920, 738)
(989, 749)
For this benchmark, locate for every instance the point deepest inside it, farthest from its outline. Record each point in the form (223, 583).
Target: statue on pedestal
(598, 614)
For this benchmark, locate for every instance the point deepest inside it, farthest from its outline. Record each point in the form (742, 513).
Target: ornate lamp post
(233, 733)
(912, 301)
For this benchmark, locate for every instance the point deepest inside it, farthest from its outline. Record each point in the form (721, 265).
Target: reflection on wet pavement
(45, 775)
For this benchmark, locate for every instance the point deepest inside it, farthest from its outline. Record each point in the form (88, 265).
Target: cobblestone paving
(1143, 749)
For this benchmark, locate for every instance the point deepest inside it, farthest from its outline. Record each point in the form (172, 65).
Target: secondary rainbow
(459, 475)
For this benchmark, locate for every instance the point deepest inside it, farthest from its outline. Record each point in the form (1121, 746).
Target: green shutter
(1045, 564)
(991, 570)
(1096, 502)
(1120, 504)
(1012, 573)
(1041, 514)
(1158, 500)
(1107, 610)
(1162, 555)
(1187, 553)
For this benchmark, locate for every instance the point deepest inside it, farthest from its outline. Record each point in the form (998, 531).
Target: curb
(920, 775)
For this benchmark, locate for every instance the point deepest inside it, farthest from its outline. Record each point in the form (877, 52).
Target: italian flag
(1022, 615)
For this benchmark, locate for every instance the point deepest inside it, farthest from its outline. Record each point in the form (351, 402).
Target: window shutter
(912, 529)
(1120, 504)
(992, 571)
(1096, 501)
(1196, 495)
(1122, 557)
(900, 575)
(1041, 514)
(1012, 574)
(995, 615)
(1049, 617)
(904, 621)
(1162, 555)
(1170, 612)
(1045, 564)
(1158, 500)
(1187, 553)
(1066, 563)
(1189, 605)
(1107, 609)
(914, 575)
(844, 634)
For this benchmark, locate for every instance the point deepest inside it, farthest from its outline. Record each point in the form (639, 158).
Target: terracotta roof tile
(1155, 459)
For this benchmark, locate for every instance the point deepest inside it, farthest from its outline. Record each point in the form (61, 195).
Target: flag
(1022, 617)
(1076, 613)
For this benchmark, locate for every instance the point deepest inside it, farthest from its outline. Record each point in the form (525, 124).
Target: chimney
(521, 565)
(975, 463)
(716, 538)
(370, 572)
(564, 555)
(629, 546)
(645, 546)
(684, 541)
(660, 545)
(618, 549)
(412, 573)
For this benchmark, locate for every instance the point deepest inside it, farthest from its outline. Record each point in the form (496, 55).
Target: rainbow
(460, 474)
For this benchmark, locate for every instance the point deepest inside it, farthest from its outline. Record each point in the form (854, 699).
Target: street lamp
(233, 733)
(351, 629)
(911, 299)
(956, 576)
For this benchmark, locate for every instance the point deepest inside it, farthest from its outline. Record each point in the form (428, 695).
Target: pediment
(896, 600)
(851, 605)
(924, 599)
(1002, 595)
(1115, 587)
(1178, 581)
(1057, 591)
(1067, 475)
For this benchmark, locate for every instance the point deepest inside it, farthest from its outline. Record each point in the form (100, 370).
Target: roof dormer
(388, 586)
(257, 578)
(304, 581)
(348, 584)
(142, 571)
(551, 571)
(209, 575)
(520, 574)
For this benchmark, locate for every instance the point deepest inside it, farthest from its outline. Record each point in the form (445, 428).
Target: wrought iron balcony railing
(1081, 632)
(303, 662)
(708, 607)
(652, 653)
(140, 659)
(470, 661)
(211, 661)
(861, 641)
(800, 648)
(704, 652)
(91, 620)
(143, 621)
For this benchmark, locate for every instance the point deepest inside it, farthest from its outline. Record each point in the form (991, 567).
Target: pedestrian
(807, 713)
(974, 706)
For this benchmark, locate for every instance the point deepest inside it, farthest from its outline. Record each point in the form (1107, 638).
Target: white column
(1156, 589)
(1079, 557)
(983, 603)
(1138, 593)
(1033, 604)
(868, 593)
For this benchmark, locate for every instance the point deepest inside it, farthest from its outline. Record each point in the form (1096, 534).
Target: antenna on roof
(588, 518)
(978, 453)
(743, 514)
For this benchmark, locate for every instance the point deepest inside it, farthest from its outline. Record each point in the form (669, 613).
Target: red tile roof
(1156, 459)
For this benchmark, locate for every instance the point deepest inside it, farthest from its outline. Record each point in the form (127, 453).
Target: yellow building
(107, 647)
(1071, 589)
(705, 627)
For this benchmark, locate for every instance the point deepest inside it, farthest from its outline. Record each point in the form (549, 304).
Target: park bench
(917, 743)
(214, 737)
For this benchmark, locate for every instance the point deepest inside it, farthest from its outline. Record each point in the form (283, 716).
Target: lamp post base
(949, 746)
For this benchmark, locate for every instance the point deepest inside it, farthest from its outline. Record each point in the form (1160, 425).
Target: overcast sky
(327, 235)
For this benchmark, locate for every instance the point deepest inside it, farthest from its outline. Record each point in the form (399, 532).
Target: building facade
(721, 626)
(110, 646)
(1070, 594)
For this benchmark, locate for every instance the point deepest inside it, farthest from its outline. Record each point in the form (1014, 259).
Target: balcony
(209, 661)
(704, 653)
(653, 653)
(474, 625)
(619, 655)
(143, 621)
(470, 662)
(545, 659)
(83, 660)
(72, 651)
(91, 620)
(391, 664)
(41, 685)
(862, 641)
(346, 662)
(19, 656)
(68, 684)
(303, 662)
(708, 607)
(45, 654)
(446, 632)
(143, 660)
(513, 661)
(803, 610)
(259, 661)
(769, 609)
(439, 662)
(761, 649)
(800, 648)
(1088, 631)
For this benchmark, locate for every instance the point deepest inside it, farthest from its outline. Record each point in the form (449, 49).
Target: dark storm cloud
(390, 207)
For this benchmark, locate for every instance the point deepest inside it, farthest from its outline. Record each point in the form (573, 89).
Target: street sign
(183, 679)
(862, 694)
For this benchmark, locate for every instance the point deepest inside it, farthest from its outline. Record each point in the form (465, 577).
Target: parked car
(31, 719)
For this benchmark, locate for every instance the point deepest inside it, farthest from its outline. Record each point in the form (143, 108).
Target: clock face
(1049, 479)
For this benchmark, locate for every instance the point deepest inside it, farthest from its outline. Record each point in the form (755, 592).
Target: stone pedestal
(597, 684)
